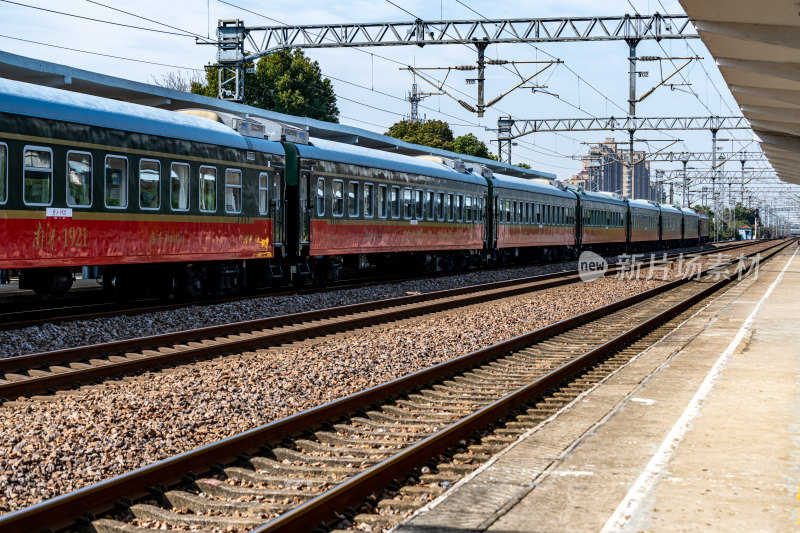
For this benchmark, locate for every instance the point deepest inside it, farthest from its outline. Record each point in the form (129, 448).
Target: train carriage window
(38, 176)
(233, 191)
(321, 197)
(460, 207)
(383, 198)
(276, 191)
(429, 205)
(440, 206)
(338, 198)
(207, 193)
(149, 184)
(419, 203)
(468, 201)
(79, 179)
(179, 185)
(395, 200)
(448, 206)
(369, 200)
(263, 193)
(408, 203)
(116, 194)
(514, 218)
(480, 205)
(3, 173)
(508, 211)
(352, 199)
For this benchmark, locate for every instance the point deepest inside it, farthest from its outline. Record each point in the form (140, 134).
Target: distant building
(581, 179)
(607, 168)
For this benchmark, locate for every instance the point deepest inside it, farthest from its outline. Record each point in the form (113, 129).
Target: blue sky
(603, 66)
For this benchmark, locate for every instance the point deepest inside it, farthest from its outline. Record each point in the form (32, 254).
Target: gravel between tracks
(95, 331)
(52, 447)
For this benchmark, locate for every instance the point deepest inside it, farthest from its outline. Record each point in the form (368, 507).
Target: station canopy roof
(35, 71)
(757, 47)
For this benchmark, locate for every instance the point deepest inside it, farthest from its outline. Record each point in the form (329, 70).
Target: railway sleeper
(186, 501)
(252, 476)
(309, 459)
(346, 438)
(454, 390)
(310, 446)
(458, 408)
(400, 421)
(149, 513)
(417, 411)
(226, 491)
(383, 431)
(271, 466)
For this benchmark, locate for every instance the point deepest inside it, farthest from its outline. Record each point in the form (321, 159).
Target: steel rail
(93, 308)
(64, 510)
(252, 335)
(353, 491)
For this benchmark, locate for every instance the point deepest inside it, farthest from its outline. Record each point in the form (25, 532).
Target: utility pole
(632, 43)
(685, 183)
(714, 179)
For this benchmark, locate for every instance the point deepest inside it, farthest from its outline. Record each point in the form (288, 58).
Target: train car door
(276, 195)
(304, 216)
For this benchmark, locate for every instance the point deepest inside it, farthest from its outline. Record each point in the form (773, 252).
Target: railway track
(326, 465)
(48, 372)
(30, 312)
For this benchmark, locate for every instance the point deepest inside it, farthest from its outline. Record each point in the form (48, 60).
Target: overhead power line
(110, 22)
(99, 53)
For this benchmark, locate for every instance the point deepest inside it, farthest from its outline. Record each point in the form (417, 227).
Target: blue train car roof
(669, 208)
(688, 211)
(366, 157)
(598, 197)
(56, 104)
(642, 204)
(511, 182)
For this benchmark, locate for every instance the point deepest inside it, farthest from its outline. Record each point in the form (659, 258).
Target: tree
(433, 133)
(285, 81)
(437, 134)
(176, 81)
(470, 145)
(524, 165)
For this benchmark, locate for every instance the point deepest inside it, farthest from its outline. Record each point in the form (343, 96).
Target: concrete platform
(700, 432)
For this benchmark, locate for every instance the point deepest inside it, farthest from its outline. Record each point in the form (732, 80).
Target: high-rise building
(607, 168)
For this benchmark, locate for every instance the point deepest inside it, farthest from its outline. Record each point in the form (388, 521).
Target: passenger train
(201, 201)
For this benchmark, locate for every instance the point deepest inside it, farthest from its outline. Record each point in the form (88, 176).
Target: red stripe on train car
(45, 242)
(340, 237)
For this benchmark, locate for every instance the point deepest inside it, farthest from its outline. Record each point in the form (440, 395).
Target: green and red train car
(200, 201)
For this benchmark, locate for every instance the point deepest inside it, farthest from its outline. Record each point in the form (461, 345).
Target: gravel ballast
(72, 440)
(49, 337)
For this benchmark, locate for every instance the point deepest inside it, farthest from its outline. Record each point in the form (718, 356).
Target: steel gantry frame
(522, 127)
(232, 35)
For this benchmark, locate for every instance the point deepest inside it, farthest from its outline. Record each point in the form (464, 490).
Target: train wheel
(47, 281)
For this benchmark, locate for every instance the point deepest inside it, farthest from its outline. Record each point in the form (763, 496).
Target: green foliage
(433, 133)
(524, 165)
(286, 82)
(437, 134)
(470, 145)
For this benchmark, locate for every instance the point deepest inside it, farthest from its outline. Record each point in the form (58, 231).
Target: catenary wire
(95, 19)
